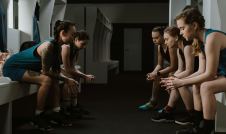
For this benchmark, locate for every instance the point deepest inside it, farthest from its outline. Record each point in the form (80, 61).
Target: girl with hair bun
(40, 65)
(166, 64)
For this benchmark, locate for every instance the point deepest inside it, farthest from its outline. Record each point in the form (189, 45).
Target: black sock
(197, 117)
(168, 109)
(207, 126)
(190, 112)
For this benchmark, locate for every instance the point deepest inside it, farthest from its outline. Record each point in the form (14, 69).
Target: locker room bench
(220, 120)
(9, 92)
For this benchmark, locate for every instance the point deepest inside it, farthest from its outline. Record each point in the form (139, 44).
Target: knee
(205, 89)
(196, 89)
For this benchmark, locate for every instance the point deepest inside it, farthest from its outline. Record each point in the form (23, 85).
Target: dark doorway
(117, 44)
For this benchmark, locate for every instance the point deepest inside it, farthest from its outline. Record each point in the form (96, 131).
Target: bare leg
(44, 82)
(174, 96)
(208, 90)
(197, 98)
(55, 94)
(186, 96)
(155, 90)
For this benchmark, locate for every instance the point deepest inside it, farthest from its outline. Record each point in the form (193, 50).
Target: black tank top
(164, 54)
(181, 52)
(74, 51)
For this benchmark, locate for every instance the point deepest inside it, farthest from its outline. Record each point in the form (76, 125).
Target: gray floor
(113, 107)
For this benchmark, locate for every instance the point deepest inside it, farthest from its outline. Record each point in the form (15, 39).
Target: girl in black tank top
(70, 58)
(185, 68)
(160, 70)
(165, 54)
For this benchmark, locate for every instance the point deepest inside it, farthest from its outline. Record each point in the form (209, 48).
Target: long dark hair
(27, 44)
(159, 29)
(80, 35)
(58, 27)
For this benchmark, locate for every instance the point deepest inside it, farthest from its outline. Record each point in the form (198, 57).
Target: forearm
(167, 70)
(193, 75)
(57, 76)
(75, 73)
(80, 74)
(177, 72)
(197, 79)
(157, 68)
(183, 74)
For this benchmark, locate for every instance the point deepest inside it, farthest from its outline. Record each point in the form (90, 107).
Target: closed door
(132, 49)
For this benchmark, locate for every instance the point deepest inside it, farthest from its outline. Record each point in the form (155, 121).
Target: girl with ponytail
(40, 65)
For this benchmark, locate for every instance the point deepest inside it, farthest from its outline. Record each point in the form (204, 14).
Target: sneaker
(79, 109)
(188, 131)
(147, 106)
(41, 123)
(194, 130)
(186, 120)
(57, 118)
(163, 117)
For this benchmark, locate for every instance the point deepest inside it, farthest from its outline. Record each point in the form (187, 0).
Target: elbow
(68, 71)
(190, 71)
(210, 76)
(201, 71)
(160, 66)
(173, 68)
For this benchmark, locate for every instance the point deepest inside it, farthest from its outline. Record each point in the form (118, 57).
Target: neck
(179, 44)
(200, 35)
(60, 42)
(164, 45)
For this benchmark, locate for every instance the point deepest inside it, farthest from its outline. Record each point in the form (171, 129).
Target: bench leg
(6, 119)
(220, 119)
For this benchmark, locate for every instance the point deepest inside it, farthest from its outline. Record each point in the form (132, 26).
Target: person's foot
(78, 109)
(193, 131)
(148, 106)
(201, 129)
(186, 120)
(188, 131)
(163, 116)
(41, 123)
(57, 118)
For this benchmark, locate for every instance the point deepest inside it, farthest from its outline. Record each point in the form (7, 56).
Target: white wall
(13, 40)
(5, 4)
(46, 12)
(25, 20)
(211, 14)
(175, 7)
(58, 13)
(214, 13)
(126, 13)
(136, 13)
(10, 14)
(76, 14)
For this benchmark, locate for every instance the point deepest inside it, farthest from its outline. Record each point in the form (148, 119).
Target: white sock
(37, 112)
(56, 109)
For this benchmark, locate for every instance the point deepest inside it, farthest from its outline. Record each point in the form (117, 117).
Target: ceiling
(115, 1)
